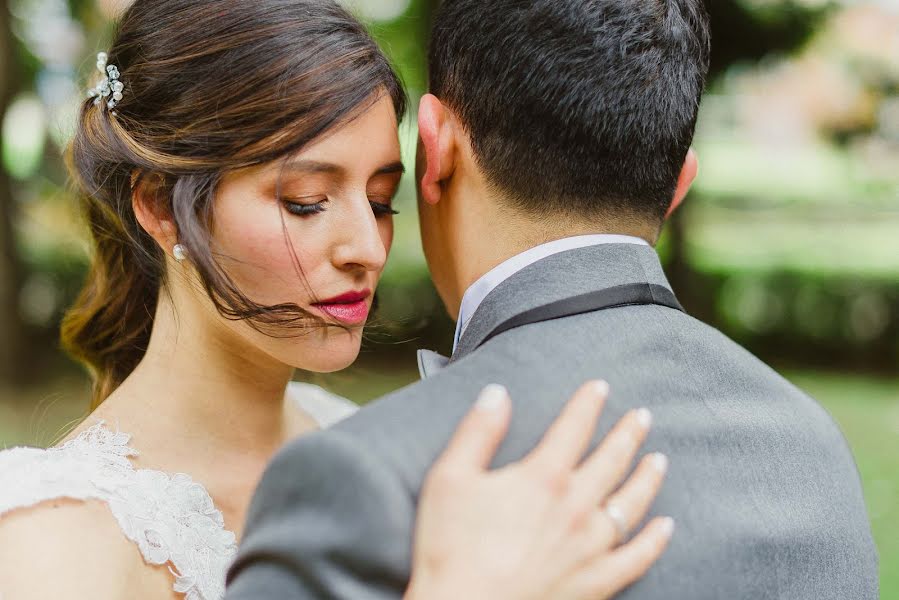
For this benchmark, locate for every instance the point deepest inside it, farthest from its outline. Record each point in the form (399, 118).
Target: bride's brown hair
(210, 87)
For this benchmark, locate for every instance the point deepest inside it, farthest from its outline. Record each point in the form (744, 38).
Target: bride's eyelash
(382, 209)
(304, 210)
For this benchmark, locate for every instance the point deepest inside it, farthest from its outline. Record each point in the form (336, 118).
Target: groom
(554, 145)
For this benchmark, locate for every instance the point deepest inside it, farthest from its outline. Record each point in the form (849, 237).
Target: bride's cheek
(266, 262)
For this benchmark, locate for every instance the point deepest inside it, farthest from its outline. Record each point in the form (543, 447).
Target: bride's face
(333, 222)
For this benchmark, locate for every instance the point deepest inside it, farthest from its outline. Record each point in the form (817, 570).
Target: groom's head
(556, 117)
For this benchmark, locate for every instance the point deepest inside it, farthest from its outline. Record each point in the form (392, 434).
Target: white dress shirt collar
(479, 290)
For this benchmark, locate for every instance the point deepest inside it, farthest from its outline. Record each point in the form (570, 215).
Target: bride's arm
(74, 550)
(535, 529)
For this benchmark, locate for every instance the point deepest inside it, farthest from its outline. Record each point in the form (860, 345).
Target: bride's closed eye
(382, 207)
(379, 206)
(305, 207)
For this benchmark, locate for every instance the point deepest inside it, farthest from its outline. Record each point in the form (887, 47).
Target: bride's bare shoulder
(74, 549)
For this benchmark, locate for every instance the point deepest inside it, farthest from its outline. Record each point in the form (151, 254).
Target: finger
(615, 571)
(567, 439)
(481, 431)
(606, 467)
(627, 507)
(634, 498)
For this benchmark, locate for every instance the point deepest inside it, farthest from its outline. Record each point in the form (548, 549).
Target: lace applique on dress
(171, 518)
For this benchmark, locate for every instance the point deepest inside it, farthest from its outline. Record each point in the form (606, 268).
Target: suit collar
(560, 276)
(481, 288)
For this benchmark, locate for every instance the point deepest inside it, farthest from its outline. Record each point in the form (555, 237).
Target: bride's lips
(350, 308)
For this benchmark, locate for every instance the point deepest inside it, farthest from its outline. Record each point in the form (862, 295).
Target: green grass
(867, 411)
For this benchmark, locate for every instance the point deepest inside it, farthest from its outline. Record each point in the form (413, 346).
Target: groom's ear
(438, 145)
(687, 176)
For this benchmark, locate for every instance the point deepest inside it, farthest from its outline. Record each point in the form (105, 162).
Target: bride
(237, 164)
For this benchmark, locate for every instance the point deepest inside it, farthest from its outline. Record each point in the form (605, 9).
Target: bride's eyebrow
(309, 167)
(312, 167)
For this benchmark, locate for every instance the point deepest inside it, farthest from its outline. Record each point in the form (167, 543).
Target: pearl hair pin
(109, 85)
(180, 252)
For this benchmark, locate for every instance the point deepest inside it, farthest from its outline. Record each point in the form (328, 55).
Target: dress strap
(171, 518)
(326, 408)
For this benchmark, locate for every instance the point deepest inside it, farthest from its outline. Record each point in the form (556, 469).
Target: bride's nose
(359, 242)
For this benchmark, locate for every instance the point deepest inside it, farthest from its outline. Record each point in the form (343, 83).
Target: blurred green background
(789, 243)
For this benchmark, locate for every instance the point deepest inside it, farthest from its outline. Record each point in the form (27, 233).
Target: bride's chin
(329, 357)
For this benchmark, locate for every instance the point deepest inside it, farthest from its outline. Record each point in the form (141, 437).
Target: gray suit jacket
(762, 486)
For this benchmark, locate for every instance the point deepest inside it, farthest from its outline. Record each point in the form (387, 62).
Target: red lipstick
(350, 308)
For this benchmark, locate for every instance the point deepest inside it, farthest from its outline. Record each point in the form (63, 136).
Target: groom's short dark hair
(583, 106)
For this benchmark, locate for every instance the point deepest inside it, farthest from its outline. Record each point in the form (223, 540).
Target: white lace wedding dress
(170, 517)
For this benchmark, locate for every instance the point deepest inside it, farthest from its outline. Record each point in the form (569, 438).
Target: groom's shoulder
(396, 437)
(458, 384)
(410, 426)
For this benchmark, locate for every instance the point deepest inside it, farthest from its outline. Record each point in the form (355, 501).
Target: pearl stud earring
(180, 252)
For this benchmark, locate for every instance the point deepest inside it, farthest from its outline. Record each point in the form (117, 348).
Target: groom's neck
(489, 238)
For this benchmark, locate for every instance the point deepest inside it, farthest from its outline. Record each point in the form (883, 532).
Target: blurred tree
(428, 10)
(746, 30)
(13, 341)
(743, 31)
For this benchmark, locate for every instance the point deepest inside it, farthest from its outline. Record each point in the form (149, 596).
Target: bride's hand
(539, 528)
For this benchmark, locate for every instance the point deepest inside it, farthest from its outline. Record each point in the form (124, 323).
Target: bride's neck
(198, 385)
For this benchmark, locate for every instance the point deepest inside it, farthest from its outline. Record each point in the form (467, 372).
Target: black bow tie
(430, 362)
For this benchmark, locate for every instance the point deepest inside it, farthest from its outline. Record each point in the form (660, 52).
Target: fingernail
(660, 462)
(493, 398)
(601, 387)
(667, 526)
(644, 418)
